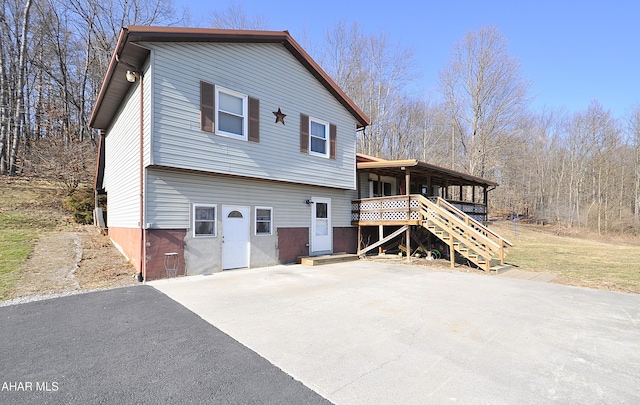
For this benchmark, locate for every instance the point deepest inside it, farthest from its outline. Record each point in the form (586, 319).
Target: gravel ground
(40, 297)
(68, 263)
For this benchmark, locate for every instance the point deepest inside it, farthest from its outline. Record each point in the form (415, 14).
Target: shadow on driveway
(130, 345)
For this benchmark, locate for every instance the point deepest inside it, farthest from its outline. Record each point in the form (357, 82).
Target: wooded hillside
(579, 169)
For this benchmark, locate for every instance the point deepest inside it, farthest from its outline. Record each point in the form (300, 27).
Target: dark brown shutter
(333, 140)
(254, 119)
(304, 133)
(207, 108)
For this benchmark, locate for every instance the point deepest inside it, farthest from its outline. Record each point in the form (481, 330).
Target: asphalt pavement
(130, 346)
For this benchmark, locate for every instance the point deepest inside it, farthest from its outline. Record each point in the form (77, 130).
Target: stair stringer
(464, 239)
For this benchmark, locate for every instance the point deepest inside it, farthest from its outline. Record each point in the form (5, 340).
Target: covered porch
(416, 203)
(385, 178)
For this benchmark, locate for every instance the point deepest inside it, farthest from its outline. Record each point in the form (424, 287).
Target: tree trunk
(4, 110)
(19, 114)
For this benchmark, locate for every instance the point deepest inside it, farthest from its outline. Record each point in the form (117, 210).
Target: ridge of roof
(126, 55)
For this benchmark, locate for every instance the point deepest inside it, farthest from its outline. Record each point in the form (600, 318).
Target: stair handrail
(490, 245)
(477, 224)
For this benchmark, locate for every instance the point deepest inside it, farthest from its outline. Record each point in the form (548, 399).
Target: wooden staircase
(472, 240)
(463, 234)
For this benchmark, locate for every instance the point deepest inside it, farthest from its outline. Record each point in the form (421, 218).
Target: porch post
(407, 182)
(486, 204)
(452, 253)
(407, 187)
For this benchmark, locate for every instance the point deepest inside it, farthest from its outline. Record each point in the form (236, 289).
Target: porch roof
(440, 176)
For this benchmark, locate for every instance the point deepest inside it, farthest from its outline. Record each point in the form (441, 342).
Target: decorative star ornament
(279, 116)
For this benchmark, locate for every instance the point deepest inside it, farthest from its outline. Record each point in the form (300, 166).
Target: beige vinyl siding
(267, 72)
(363, 185)
(171, 195)
(122, 157)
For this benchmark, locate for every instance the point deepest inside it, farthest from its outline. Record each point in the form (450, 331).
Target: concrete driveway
(376, 333)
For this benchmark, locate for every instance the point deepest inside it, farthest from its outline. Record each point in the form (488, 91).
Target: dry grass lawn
(28, 208)
(578, 257)
(43, 252)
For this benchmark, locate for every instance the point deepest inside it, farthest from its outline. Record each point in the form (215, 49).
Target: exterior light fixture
(131, 76)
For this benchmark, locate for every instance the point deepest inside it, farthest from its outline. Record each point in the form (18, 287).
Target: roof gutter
(115, 59)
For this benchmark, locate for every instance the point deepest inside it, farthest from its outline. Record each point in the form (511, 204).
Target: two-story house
(230, 148)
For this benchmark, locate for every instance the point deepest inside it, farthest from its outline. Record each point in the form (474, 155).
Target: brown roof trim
(98, 180)
(101, 116)
(107, 79)
(413, 163)
(361, 157)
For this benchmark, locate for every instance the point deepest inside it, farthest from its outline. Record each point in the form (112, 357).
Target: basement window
(264, 221)
(204, 220)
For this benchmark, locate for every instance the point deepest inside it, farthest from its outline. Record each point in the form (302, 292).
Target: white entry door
(235, 237)
(321, 230)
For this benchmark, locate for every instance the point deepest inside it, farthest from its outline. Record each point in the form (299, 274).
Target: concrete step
(328, 259)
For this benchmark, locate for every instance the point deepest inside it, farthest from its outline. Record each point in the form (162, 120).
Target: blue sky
(571, 52)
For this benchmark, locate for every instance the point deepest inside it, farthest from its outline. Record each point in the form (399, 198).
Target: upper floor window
(231, 113)
(318, 137)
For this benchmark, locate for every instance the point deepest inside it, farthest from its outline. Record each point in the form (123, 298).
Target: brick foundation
(345, 239)
(292, 243)
(159, 242)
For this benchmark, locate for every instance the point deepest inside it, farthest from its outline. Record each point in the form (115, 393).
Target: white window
(204, 220)
(318, 137)
(382, 187)
(231, 113)
(264, 221)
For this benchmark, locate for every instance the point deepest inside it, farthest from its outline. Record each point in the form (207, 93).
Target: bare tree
(234, 17)
(4, 92)
(19, 116)
(634, 129)
(484, 93)
(374, 73)
(52, 60)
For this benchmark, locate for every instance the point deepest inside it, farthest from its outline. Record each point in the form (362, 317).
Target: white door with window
(321, 230)
(235, 237)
